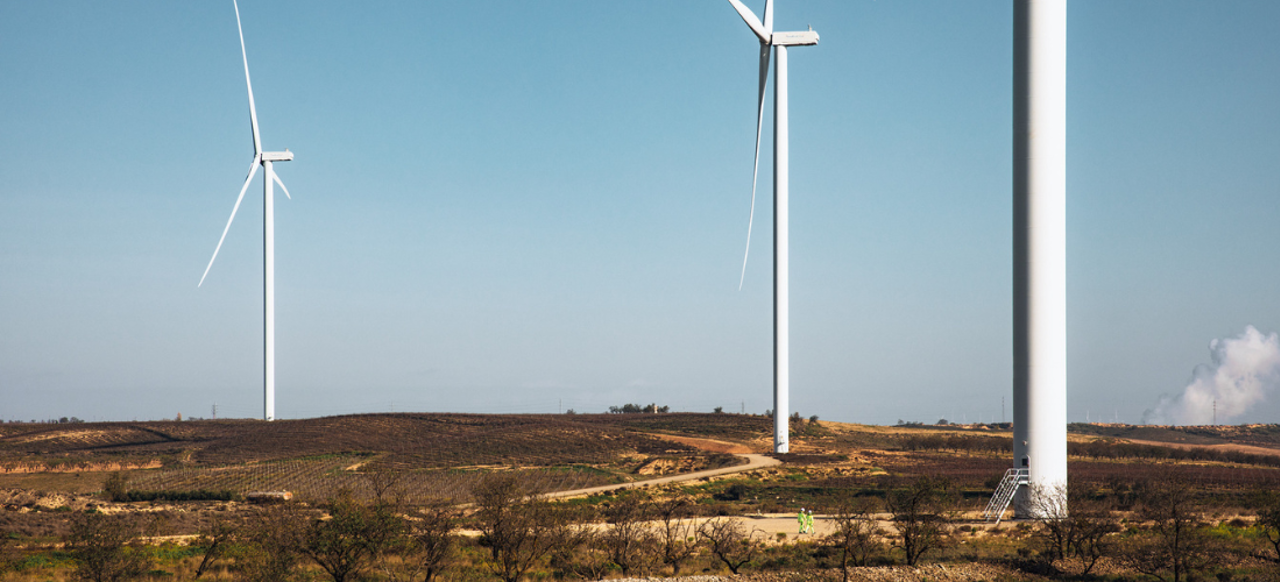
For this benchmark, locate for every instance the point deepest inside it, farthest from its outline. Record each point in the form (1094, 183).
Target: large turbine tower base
(1040, 253)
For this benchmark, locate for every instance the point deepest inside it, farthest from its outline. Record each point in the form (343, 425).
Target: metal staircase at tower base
(1013, 479)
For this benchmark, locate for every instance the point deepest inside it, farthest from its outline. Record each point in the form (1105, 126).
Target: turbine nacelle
(284, 156)
(798, 38)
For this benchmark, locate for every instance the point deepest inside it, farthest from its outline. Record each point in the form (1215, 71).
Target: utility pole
(215, 411)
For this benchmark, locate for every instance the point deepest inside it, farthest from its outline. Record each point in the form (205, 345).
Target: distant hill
(437, 440)
(407, 439)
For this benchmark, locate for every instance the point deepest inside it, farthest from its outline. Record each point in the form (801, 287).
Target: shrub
(921, 513)
(854, 538)
(676, 533)
(730, 542)
(115, 487)
(1176, 546)
(273, 543)
(354, 534)
(628, 541)
(519, 529)
(427, 550)
(193, 495)
(102, 547)
(1269, 521)
(215, 536)
(1084, 532)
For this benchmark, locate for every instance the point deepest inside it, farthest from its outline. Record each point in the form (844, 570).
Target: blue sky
(529, 206)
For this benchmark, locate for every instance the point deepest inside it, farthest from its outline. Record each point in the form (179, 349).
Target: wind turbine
(265, 159)
(770, 40)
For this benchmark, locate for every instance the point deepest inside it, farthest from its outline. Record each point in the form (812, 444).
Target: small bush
(116, 487)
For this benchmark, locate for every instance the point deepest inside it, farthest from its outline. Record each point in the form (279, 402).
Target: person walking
(809, 521)
(800, 518)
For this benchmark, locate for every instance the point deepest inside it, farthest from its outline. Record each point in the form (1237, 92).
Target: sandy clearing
(81, 435)
(711, 445)
(754, 461)
(769, 525)
(1229, 447)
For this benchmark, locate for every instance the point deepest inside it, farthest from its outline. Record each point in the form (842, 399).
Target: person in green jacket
(800, 518)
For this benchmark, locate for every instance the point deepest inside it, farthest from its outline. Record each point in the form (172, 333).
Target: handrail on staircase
(1004, 493)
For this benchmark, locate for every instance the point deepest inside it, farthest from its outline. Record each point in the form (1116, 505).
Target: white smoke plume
(1244, 370)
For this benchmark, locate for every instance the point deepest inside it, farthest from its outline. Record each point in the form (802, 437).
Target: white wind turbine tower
(770, 40)
(265, 159)
(1040, 251)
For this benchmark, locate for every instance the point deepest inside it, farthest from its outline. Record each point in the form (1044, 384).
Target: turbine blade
(276, 177)
(751, 20)
(252, 170)
(765, 53)
(253, 112)
(768, 17)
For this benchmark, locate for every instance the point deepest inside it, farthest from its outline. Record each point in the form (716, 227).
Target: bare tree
(520, 529)
(677, 534)
(1094, 526)
(104, 548)
(426, 549)
(274, 537)
(579, 552)
(628, 540)
(1082, 533)
(496, 498)
(385, 484)
(855, 534)
(215, 536)
(1269, 521)
(730, 542)
(921, 515)
(354, 534)
(1056, 532)
(1175, 546)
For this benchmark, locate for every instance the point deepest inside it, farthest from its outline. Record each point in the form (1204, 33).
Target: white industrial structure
(265, 159)
(1040, 251)
(770, 40)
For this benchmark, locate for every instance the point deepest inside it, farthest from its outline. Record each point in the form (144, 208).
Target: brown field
(319, 455)
(193, 471)
(442, 455)
(405, 440)
(438, 455)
